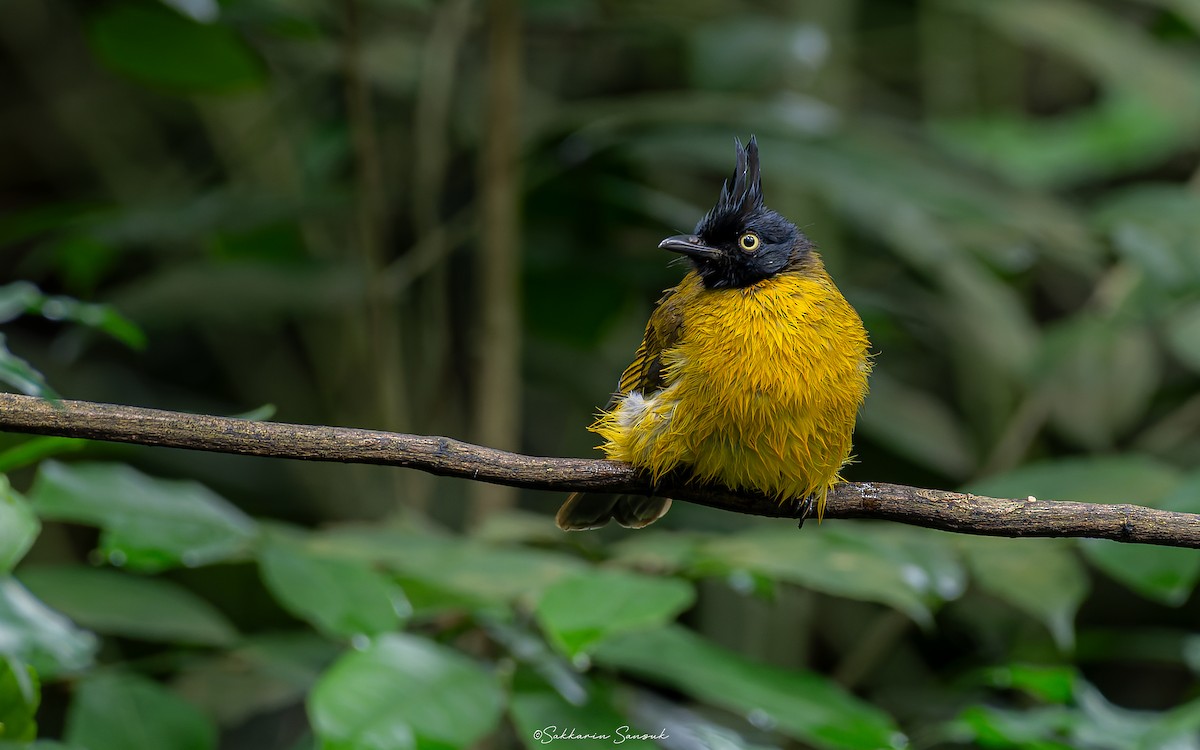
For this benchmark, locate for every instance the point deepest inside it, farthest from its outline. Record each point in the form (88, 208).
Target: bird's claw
(801, 508)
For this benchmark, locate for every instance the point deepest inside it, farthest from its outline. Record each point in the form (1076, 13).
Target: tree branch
(937, 509)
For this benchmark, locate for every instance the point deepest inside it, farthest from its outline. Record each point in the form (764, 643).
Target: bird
(751, 372)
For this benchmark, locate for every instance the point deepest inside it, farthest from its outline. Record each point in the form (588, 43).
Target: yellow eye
(749, 242)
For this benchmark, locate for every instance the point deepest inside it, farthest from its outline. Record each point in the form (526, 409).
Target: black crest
(741, 195)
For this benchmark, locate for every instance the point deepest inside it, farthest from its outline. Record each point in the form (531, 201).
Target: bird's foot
(801, 508)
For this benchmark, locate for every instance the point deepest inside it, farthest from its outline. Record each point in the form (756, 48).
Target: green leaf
(801, 704)
(100, 317)
(401, 692)
(1054, 684)
(1183, 335)
(21, 375)
(1095, 479)
(1122, 56)
(18, 298)
(1036, 729)
(35, 449)
(540, 713)
(1173, 728)
(148, 524)
(1156, 228)
(19, 526)
(851, 560)
(23, 297)
(129, 605)
(463, 568)
(659, 551)
(20, 694)
(117, 711)
(1040, 577)
(156, 46)
(1106, 726)
(340, 597)
(30, 632)
(265, 673)
(1117, 133)
(891, 410)
(1163, 574)
(581, 611)
(1098, 377)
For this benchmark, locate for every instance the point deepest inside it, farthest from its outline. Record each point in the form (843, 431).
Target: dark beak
(690, 245)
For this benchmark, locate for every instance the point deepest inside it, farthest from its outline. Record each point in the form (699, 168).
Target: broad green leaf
(33, 633)
(1150, 103)
(1174, 728)
(518, 527)
(529, 647)
(739, 49)
(928, 559)
(20, 694)
(658, 551)
(23, 297)
(204, 11)
(1054, 684)
(19, 526)
(340, 597)
(1106, 726)
(1097, 479)
(1118, 132)
(1122, 56)
(129, 605)
(1156, 228)
(265, 673)
(581, 611)
(463, 568)
(850, 561)
(1164, 574)
(21, 375)
(118, 711)
(1040, 577)
(401, 692)
(892, 409)
(147, 523)
(154, 45)
(260, 414)
(101, 317)
(540, 714)
(17, 298)
(1191, 653)
(1183, 335)
(37, 448)
(1043, 728)
(801, 704)
(1098, 377)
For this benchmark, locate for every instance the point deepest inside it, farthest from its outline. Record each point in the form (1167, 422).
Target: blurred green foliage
(214, 205)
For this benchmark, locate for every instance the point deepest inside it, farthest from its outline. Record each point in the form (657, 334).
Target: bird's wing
(645, 373)
(585, 510)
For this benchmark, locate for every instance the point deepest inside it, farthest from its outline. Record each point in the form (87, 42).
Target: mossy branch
(937, 509)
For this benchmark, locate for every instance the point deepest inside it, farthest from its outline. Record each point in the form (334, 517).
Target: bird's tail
(583, 511)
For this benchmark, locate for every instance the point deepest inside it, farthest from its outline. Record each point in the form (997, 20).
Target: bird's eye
(749, 242)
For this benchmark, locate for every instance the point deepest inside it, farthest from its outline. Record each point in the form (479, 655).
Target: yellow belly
(760, 391)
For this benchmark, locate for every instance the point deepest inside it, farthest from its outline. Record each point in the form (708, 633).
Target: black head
(740, 241)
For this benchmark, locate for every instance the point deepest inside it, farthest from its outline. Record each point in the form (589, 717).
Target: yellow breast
(761, 389)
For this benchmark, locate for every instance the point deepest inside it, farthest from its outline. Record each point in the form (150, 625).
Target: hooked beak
(690, 245)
